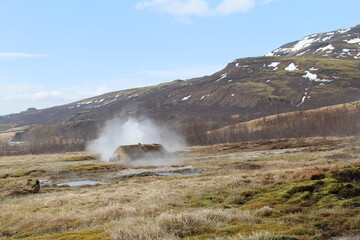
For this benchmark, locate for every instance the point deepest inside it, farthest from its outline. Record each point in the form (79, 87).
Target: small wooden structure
(139, 151)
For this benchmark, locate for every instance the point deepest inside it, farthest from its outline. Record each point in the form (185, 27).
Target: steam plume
(130, 131)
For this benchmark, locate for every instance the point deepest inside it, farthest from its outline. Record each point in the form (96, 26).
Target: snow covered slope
(340, 44)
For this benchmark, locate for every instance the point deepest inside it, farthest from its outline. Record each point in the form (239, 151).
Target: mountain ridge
(246, 89)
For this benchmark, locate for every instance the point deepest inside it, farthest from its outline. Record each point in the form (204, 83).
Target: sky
(57, 52)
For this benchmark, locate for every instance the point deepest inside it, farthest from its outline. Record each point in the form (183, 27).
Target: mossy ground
(98, 234)
(325, 205)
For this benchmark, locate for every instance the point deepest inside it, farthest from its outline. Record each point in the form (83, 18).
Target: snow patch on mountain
(341, 31)
(314, 77)
(291, 67)
(302, 53)
(222, 76)
(329, 44)
(274, 65)
(186, 98)
(328, 48)
(354, 40)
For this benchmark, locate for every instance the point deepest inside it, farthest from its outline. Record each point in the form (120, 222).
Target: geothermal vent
(128, 153)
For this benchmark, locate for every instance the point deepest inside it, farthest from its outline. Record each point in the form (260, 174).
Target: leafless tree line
(50, 139)
(337, 121)
(342, 120)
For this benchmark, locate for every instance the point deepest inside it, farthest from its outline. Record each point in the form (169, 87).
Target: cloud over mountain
(201, 8)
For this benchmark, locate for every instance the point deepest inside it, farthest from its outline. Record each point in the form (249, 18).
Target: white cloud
(16, 55)
(269, 1)
(26, 92)
(227, 7)
(19, 97)
(196, 7)
(41, 95)
(176, 7)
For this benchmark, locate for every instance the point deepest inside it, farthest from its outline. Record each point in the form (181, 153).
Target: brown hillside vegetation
(337, 120)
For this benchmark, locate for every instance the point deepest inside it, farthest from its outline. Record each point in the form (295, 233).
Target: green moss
(82, 167)
(79, 158)
(97, 234)
(258, 88)
(244, 196)
(300, 197)
(298, 204)
(22, 173)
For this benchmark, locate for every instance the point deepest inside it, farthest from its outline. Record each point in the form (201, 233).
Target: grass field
(284, 189)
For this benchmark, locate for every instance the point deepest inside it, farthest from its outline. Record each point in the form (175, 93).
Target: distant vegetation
(339, 120)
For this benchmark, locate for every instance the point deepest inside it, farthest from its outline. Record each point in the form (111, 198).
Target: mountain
(319, 70)
(340, 44)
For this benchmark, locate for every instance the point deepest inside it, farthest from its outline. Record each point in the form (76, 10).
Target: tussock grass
(295, 194)
(259, 236)
(139, 228)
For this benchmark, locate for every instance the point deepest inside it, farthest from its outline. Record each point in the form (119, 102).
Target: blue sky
(56, 52)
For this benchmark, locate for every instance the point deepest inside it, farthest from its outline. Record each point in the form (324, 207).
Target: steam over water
(118, 132)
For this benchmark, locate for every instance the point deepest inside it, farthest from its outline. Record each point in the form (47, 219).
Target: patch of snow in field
(313, 77)
(222, 77)
(313, 69)
(291, 67)
(328, 48)
(237, 64)
(232, 95)
(346, 50)
(354, 40)
(268, 80)
(186, 98)
(230, 81)
(202, 98)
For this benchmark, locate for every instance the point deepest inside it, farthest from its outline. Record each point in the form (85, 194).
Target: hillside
(245, 89)
(336, 120)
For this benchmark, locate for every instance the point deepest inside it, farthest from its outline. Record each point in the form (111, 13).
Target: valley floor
(276, 189)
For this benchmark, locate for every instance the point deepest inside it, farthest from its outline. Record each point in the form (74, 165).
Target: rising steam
(130, 131)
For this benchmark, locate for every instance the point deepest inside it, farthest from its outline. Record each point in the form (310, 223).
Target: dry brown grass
(154, 207)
